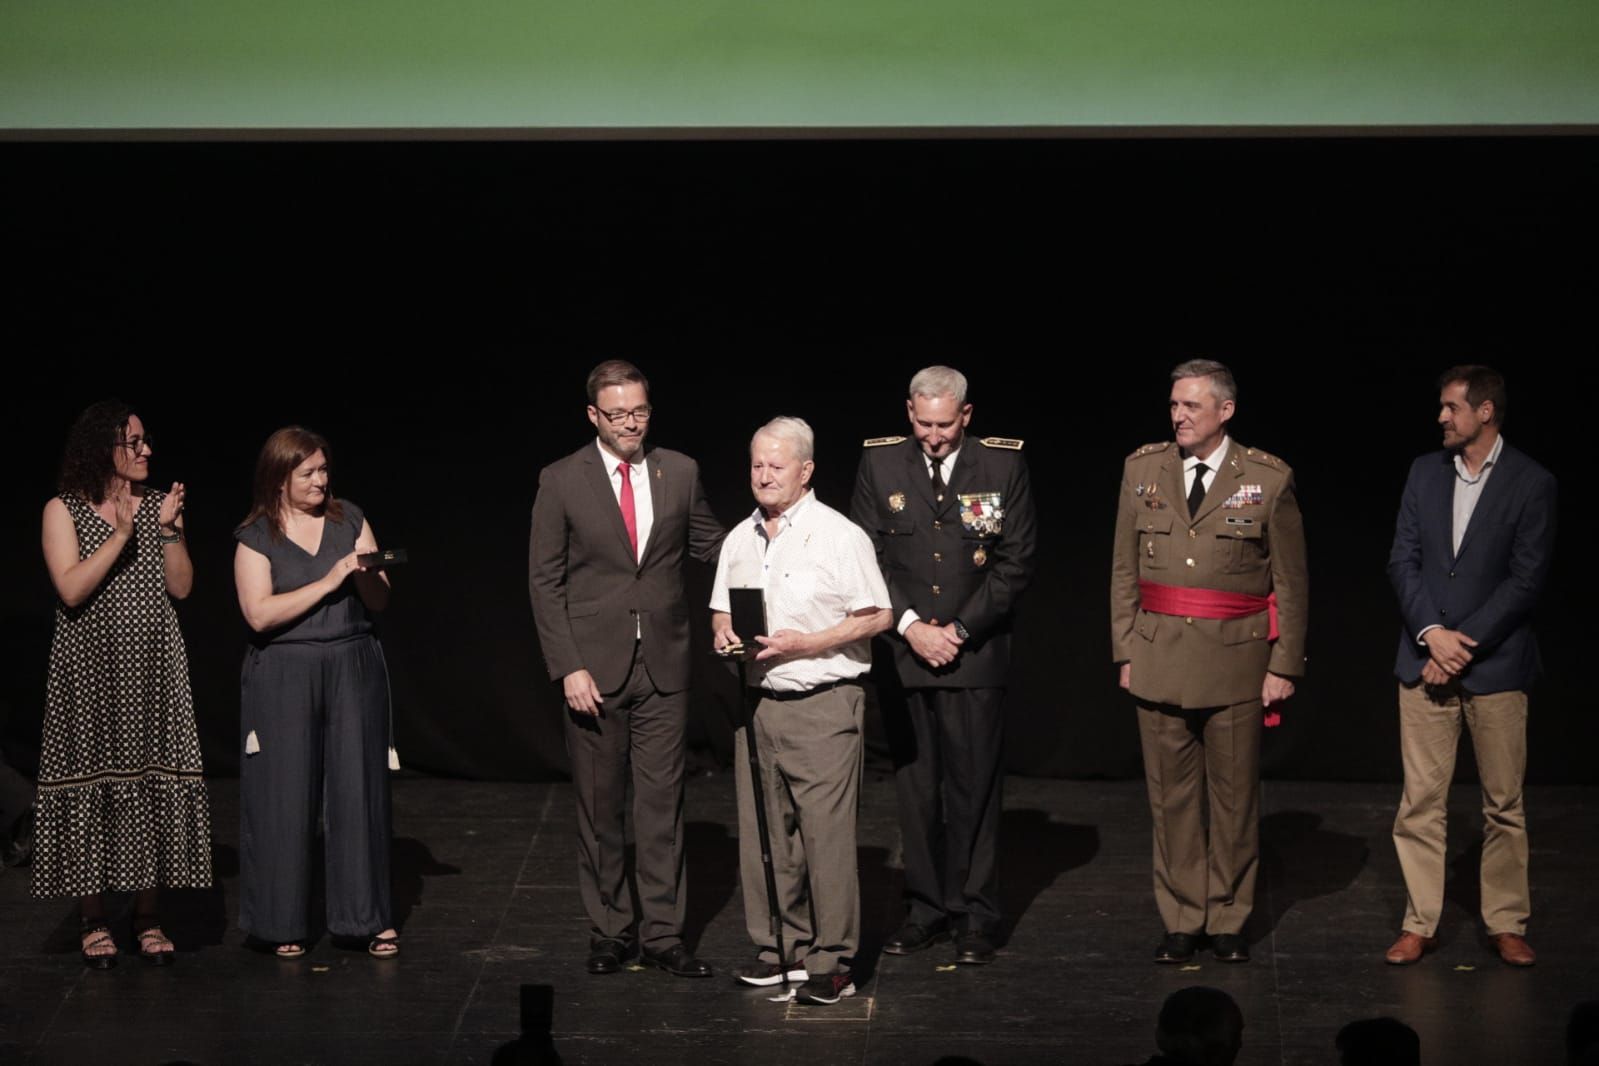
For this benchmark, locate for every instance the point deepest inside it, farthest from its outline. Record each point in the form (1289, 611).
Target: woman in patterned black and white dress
(122, 805)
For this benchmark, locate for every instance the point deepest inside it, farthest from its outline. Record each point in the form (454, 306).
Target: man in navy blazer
(1472, 549)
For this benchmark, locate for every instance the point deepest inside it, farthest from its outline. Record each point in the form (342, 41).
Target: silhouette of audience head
(1582, 1034)
(1200, 1026)
(1378, 1042)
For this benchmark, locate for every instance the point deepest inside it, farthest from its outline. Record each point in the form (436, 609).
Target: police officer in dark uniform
(952, 519)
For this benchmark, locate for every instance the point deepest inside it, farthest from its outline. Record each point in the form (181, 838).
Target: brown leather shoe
(1409, 948)
(1514, 949)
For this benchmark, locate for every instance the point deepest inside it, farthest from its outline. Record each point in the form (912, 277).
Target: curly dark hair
(86, 463)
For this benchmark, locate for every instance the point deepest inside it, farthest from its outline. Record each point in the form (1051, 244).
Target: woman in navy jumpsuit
(314, 707)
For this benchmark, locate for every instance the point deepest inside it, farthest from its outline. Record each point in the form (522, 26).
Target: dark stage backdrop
(433, 309)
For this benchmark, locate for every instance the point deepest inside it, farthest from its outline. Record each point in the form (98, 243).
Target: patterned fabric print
(122, 805)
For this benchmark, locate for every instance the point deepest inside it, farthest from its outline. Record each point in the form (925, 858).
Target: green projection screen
(571, 65)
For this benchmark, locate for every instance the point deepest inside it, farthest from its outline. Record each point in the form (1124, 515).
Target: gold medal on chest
(980, 556)
(896, 502)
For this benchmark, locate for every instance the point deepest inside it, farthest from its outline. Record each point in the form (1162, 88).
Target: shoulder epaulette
(880, 442)
(1264, 458)
(1151, 449)
(1008, 443)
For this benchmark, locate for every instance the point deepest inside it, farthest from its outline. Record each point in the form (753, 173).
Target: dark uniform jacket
(967, 558)
(1247, 537)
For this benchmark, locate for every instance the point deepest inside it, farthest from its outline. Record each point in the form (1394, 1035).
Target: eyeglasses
(134, 444)
(637, 414)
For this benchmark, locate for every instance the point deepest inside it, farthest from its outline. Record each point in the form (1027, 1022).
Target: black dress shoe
(1176, 947)
(973, 948)
(606, 955)
(912, 937)
(677, 961)
(1229, 947)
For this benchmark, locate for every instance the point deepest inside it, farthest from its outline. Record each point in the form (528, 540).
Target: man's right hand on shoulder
(582, 694)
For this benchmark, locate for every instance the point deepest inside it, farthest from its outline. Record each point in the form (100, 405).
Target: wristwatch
(960, 630)
(164, 539)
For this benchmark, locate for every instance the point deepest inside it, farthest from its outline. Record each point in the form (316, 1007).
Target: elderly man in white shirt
(825, 599)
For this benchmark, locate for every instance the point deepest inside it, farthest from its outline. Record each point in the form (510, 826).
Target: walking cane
(762, 830)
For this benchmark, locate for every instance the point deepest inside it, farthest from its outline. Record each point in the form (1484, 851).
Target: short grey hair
(796, 431)
(935, 381)
(1222, 385)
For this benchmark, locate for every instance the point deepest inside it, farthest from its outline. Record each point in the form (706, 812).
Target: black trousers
(948, 746)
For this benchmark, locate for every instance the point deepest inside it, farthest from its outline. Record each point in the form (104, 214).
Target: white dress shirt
(1468, 489)
(1212, 464)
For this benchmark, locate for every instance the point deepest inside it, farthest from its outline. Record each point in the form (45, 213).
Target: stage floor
(491, 969)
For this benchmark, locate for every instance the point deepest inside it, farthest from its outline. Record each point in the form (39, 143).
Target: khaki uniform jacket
(1247, 537)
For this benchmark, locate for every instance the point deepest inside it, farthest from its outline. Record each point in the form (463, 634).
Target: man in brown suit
(1209, 599)
(612, 530)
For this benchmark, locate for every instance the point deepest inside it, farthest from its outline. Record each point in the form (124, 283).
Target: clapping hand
(172, 506)
(125, 505)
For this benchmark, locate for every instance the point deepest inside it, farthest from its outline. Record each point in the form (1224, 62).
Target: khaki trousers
(1202, 768)
(1429, 735)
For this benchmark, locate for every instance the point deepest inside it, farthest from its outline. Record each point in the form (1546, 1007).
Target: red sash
(1206, 603)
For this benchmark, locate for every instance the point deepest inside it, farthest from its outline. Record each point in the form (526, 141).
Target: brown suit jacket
(1247, 537)
(589, 595)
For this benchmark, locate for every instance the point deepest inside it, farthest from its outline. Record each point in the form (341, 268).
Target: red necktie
(629, 515)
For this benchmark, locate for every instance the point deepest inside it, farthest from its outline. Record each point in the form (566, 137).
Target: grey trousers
(1202, 770)
(319, 713)
(811, 757)
(638, 736)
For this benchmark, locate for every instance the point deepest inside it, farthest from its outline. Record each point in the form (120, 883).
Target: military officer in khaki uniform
(1209, 604)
